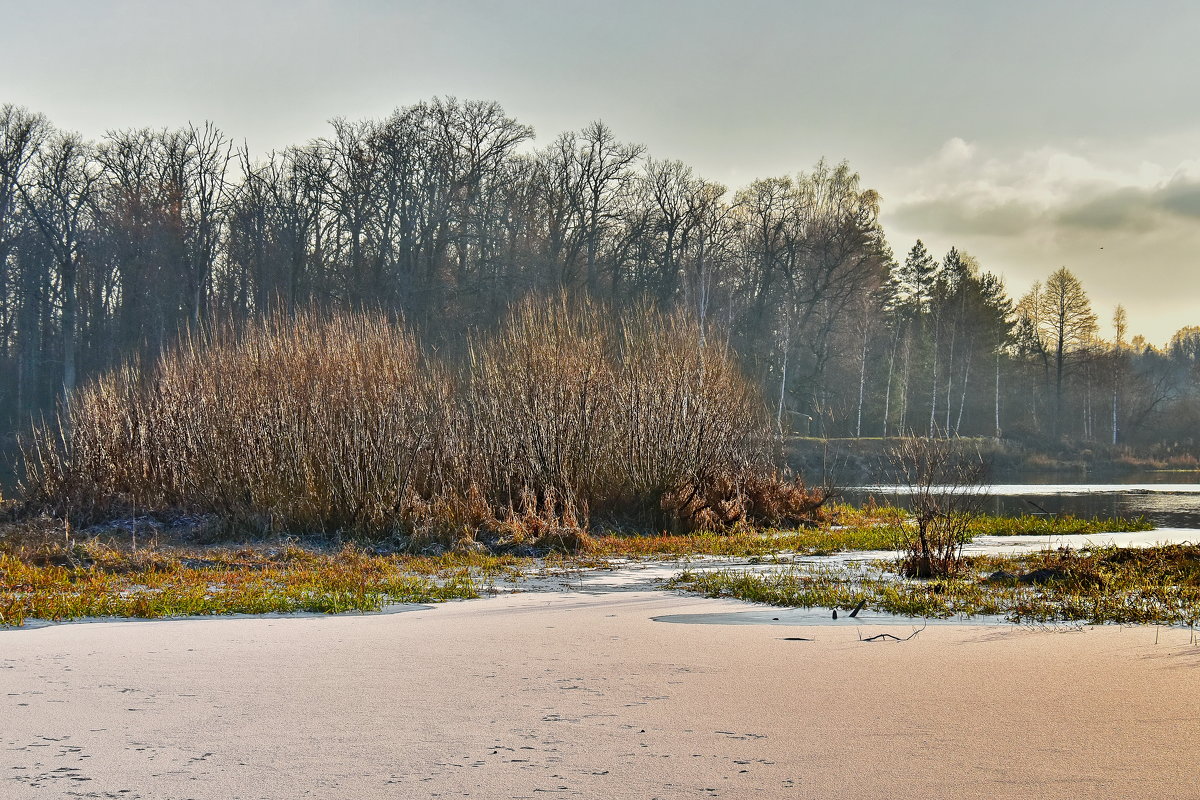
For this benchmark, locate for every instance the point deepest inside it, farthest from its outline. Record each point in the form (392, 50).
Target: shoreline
(650, 573)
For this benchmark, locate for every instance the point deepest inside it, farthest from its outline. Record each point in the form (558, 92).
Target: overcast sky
(1032, 135)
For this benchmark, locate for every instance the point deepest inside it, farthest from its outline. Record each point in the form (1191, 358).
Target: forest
(447, 213)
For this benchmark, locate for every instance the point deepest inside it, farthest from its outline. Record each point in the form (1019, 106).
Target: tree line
(447, 212)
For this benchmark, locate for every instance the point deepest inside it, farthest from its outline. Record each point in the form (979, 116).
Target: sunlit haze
(1031, 135)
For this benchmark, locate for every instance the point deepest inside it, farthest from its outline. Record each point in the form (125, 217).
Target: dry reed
(341, 423)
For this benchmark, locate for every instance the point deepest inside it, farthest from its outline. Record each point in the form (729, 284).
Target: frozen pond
(809, 617)
(1169, 500)
(1173, 506)
(643, 575)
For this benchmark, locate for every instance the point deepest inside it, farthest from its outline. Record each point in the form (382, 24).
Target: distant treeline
(446, 213)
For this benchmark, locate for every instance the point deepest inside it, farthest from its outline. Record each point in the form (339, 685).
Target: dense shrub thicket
(343, 423)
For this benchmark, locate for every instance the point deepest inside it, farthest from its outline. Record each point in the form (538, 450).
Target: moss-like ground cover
(95, 580)
(1152, 585)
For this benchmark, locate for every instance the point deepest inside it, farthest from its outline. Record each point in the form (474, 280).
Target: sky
(1032, 135)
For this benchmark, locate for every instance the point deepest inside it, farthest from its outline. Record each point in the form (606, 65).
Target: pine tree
(916, 278)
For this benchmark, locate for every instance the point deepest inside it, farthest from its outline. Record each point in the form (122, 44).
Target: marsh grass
(98, 579)
(317, 424)
(901, 531)
(1035, 525)
(744, 543)
(1154, 585)
(144, 568)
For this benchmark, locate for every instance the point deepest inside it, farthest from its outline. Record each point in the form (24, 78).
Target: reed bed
(311, 423)
(341, 423)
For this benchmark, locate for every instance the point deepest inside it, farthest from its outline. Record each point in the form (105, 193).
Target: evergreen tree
(916, 279)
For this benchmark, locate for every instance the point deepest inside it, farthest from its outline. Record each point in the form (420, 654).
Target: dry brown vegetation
(944, 479)
(342, 423)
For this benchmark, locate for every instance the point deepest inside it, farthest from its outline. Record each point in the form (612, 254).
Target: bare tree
(606, 176)
(59, 201)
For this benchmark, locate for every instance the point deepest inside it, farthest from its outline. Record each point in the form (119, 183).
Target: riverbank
(585, 695)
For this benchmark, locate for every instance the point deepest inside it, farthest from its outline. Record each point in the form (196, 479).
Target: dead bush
(943, 480)
(770, 500)
(341, 424)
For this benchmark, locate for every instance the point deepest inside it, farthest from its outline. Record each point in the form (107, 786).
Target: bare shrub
(340, 423)
(608, 416)
(538, 409)
(311, 423)
(944, 480)
(684, 413)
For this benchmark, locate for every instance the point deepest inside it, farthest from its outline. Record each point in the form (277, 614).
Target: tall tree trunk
(782, 383)
(997, 406)
(862, 383)
(950, 375)
(887, 395)
(1059, 356)
(962, 402)
(1114, 415)
(933, 395)
(904, 387)
(70, 313)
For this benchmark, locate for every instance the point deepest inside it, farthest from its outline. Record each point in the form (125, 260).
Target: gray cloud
(1182, 197)
(1128, 209)
(1135, 210)
(955, 215)
(1125, 209)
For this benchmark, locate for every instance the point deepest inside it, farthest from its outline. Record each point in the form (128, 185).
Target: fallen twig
(883, 637)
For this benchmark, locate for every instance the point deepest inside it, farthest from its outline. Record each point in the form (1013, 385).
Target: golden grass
(48, 572)
(340, 423)
(92, 579)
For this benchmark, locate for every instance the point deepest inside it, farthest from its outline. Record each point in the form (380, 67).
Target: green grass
(96, 581)
(848, 528)
(46, 573)
(1155, 585)
(1032, 525)
(744, 543)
